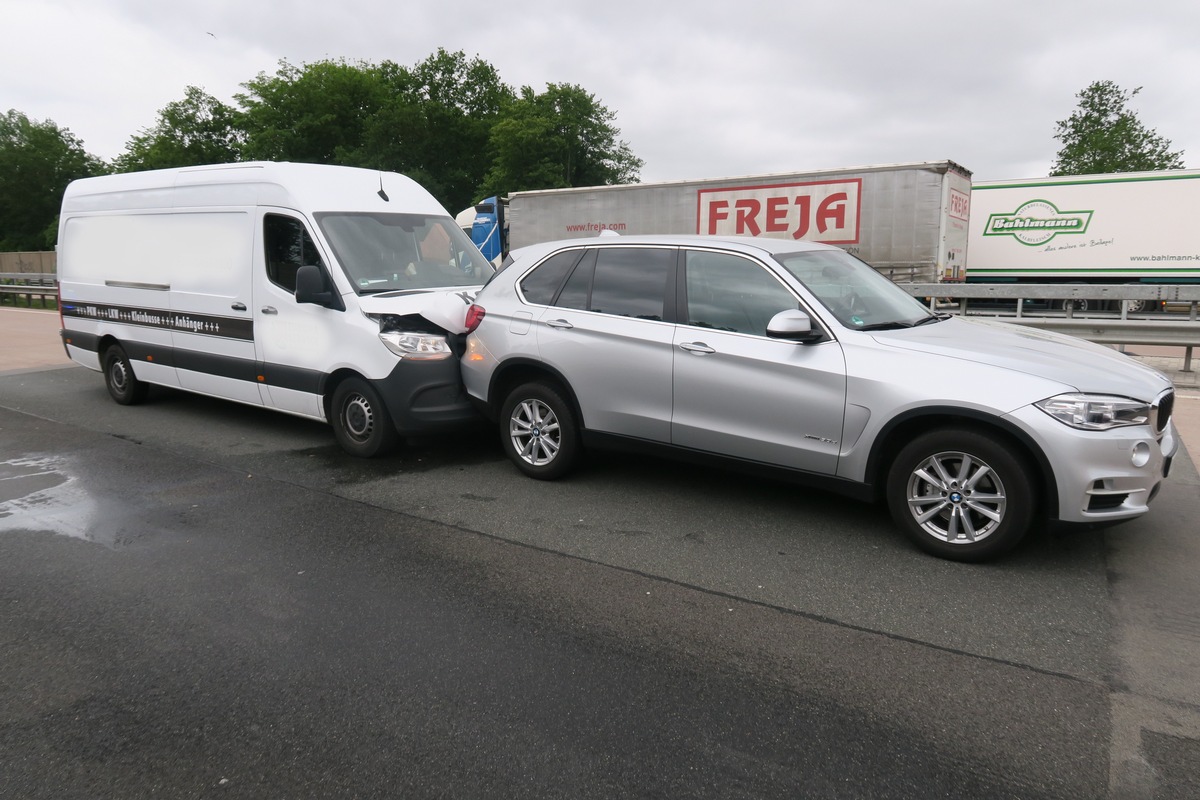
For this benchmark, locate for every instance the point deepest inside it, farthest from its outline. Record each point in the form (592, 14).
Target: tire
(361, 422)
(1080, 304)
(538, 431)
(123, 385)
(929, 493)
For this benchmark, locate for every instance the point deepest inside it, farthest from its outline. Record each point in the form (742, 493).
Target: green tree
(1103, 135)
(559, 138)
(199, 129)
(437, 124)
(431, 121)
(316, 113)
(37, 161)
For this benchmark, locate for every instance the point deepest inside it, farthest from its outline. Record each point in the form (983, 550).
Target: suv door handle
(697, 347)
(269, 310)
(238, 306)
(559, 323)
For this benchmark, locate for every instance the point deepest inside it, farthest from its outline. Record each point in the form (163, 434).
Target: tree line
(449, 122)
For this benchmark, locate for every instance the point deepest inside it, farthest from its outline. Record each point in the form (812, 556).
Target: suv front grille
(1161, 410)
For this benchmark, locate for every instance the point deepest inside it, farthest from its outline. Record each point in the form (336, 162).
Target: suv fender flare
(886, 445)
(514, 371)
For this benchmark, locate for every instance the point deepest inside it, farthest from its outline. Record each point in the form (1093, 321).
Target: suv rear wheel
(538, 431)
(961, 494)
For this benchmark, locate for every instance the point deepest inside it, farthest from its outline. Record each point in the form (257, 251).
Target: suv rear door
(609, 335)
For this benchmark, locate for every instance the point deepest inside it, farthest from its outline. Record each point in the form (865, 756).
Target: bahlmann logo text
(1037, 222)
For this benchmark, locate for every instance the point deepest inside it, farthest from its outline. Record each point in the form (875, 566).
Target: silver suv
(799, 357)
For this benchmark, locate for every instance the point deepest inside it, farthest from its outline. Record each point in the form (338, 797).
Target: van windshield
(390, 252)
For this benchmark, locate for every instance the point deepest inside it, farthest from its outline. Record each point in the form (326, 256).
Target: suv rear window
(542, 284)
(631, 281)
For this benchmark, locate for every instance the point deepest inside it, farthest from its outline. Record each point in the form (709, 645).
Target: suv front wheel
(538, 431)
(961, 494)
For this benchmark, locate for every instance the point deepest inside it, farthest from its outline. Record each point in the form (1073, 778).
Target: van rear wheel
(361, 422)
(122, 384)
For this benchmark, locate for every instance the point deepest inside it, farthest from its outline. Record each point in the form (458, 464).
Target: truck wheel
(361, 422)
(122, 384)
(538, 431)
(961, 494)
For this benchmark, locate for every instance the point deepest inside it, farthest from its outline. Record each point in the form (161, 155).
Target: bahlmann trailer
(1134, 227)
(909, 221)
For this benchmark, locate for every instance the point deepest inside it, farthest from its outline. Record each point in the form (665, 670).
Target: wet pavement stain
(38, 493)
(418, 455)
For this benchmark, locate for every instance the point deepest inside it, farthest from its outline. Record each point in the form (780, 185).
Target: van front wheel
(122, 384)
(361, 422)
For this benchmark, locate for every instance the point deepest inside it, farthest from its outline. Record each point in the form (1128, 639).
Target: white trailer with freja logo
(909, 221)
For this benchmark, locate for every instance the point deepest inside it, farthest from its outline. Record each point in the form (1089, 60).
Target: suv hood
(1083, 365)
(446, 308)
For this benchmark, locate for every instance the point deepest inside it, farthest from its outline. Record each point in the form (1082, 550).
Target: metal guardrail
(1105, 328)
(28, 285)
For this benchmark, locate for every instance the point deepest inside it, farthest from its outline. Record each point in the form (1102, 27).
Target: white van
(328, 292)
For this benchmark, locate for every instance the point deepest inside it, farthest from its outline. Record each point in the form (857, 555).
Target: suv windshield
(391, 252)
(853, 292)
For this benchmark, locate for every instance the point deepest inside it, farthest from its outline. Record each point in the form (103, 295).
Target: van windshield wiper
(395, 292)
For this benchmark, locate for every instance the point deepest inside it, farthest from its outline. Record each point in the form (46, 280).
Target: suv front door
(740, 393)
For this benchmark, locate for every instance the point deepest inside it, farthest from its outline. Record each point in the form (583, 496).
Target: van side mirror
(793, 325)
(311, 288)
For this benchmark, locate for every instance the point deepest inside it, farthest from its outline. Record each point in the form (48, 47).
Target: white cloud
(700, 88)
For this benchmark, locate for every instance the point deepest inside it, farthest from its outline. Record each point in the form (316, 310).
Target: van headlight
(416, 346)
(1096, 412)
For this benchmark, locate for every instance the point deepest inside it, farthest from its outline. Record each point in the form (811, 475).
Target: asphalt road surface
(199, 599)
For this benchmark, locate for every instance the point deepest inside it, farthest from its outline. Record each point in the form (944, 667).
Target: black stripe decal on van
(279, 375)
(202, 324)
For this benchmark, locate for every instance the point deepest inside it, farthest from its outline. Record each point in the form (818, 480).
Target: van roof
(305, 187)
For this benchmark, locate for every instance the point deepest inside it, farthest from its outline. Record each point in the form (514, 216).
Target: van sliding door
(212, 326)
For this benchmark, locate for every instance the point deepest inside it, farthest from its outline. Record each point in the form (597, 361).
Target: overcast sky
(700, 89)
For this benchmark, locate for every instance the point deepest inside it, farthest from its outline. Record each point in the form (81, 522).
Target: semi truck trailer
(909, 221)
(1136, 227)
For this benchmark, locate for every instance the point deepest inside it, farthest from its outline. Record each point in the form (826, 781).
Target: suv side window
(631, 281)
(731, 293)
(578, 288)
(288, 247)
(541, 285)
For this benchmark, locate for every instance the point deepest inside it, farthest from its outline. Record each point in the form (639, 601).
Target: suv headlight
(416, 346)
(1096, 412)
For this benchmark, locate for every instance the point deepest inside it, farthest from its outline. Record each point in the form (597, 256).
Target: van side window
(289, 247)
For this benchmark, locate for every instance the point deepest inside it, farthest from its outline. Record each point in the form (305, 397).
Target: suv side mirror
(311, 288)
(795, 326)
